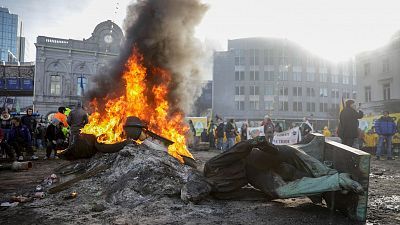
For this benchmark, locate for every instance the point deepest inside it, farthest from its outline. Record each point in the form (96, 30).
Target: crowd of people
(223, 135)
(381, 139)
(377, 140)
(29, 134)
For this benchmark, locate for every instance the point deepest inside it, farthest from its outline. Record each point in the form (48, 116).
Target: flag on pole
(341, 107)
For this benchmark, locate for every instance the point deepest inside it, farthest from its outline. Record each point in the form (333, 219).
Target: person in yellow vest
(326, 132)
(370, 141)
(396, 143)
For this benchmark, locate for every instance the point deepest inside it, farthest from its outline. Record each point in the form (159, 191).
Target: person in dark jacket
(77, 119)
(19, 138)
(211, 134)
(220, 134)
(4, 146)
(385, 127)
(54, 137)
(204, 136)
(29, 121)
(5, 123)
(231, 133)
(243, 132)
(348, 123)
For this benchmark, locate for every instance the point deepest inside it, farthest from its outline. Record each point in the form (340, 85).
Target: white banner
(287, 137)
(253, 132)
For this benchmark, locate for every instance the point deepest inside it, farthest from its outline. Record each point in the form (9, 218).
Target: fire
(107, 124)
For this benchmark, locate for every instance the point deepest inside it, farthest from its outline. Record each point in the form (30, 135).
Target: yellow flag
(341, 107)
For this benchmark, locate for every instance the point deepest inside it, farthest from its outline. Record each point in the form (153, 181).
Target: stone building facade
(65, 67)
(277, 77)
(378, 73)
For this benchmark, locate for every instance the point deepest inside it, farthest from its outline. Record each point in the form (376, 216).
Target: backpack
(220, 130)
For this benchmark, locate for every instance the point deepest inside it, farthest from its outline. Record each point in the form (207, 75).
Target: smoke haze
(163, 32)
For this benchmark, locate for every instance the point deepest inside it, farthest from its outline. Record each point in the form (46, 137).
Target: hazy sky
(334, 29)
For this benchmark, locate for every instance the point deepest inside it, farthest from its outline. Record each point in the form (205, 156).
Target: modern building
(16, 86)
(65, 67)
(21, 49)
(378, 74)
(8, 35)
(277, 77)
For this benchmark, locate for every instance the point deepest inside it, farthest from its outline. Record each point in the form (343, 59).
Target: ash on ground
(144, 186)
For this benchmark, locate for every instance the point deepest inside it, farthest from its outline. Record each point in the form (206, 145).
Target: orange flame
(107, 125)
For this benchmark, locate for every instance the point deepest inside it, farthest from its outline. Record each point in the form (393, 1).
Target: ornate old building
(65, 68)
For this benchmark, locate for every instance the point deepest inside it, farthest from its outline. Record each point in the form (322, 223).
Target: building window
(346, 79)
(335, 108)
(296, 76)
(283, 106)
(239, 90)
(269, 75)
(323, 92)
(239, 75)
(55, 85)
(283, 61)
(269, 105)
(283, 91)
(239, 57)
(367, 69)
(283, 75)
(346, 94)
(310, 106)
(310, 92)
(239, 105)
(254, 75)
(254, 57)
(335, 79)
(297, 91)
(81, 86)
(269, 90)
(268, 57)
(323, 77)
(335, 93)
(254, 90)
(310, 77)
(323, 107)
(386, 91)
(385, 65)
(354, 80)
(297, 107)
(254, 105)
(367, 94)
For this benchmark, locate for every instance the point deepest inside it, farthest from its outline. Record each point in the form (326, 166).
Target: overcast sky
(334, 29)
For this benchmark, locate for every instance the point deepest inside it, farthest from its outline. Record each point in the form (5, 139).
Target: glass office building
(8, 35)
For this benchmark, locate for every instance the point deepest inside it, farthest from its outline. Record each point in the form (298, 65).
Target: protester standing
(243, 132)
(204, 136)
(30, 122)
(348, 123)
(269, 129)
(77, 119)
(231, 133)
(278, 128)
(220, 134)
(370, 142)
(211, 134)
(5, 147)
(385, 127)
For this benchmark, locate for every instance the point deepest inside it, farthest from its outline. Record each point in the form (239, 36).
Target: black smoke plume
(163, 32)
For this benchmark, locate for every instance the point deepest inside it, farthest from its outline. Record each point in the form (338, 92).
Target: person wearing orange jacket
(60, 115)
